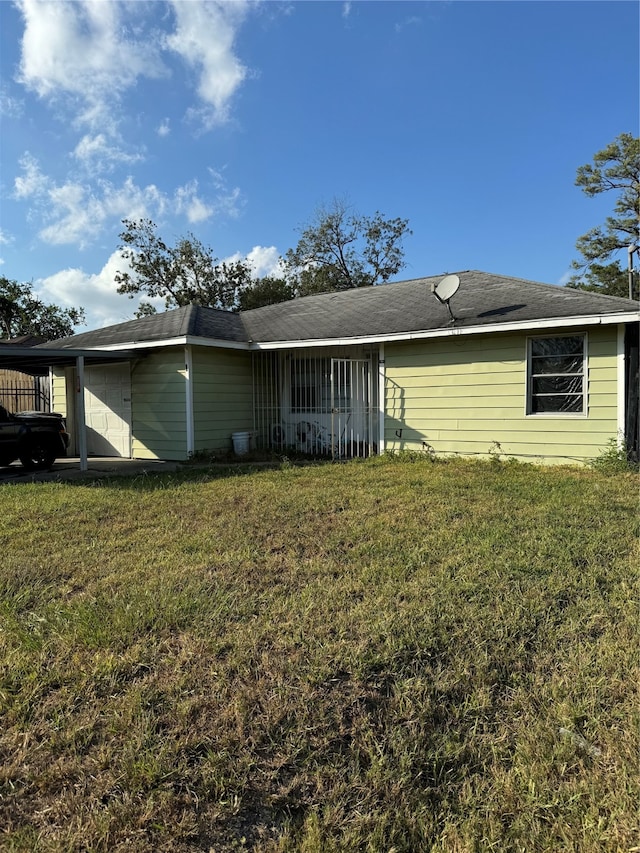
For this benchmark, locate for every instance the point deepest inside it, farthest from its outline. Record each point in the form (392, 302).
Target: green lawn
(390, 655)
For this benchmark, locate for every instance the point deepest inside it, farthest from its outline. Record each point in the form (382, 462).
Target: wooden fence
(20, 392)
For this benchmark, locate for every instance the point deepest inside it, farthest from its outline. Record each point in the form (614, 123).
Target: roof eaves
(454, 331)
(219, 343)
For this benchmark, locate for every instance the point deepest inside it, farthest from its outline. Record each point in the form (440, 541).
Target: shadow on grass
(193, 473)
(229, 467)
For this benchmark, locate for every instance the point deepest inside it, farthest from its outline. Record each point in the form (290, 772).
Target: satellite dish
(445, 289)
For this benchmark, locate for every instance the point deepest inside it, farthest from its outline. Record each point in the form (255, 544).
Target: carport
(41, 359)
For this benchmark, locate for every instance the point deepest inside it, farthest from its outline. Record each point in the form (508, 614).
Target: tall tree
(615, 169)
(339, 249)
(184, 274)
(22, 313)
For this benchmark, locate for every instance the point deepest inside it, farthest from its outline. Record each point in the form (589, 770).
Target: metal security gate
(351, 410)
(315, 403)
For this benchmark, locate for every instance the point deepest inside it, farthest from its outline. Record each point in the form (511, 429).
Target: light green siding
(467, 395)
(158, 405)
(59, 391)
(221, 384)
(222, 396)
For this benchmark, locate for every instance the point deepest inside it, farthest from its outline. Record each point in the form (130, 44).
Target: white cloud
(204, 38)
(228, 201)
(9, 106)
(85, 50)
(76, 212)
(130, 201)
(98, 154)
(32, 182)
(5, 240)
(82, 57)
(96, 293)
(263, 260)
(92, 51)
(79, 214)
(189, 203)
(229, 204)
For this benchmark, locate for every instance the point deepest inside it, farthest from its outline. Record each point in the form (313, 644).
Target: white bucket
(240, 442)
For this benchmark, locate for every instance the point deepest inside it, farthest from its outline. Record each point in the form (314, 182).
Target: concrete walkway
(98, 467)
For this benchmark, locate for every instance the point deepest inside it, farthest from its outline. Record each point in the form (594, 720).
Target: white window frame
(530, 376)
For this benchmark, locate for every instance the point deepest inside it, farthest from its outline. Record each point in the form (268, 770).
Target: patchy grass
(373, 656)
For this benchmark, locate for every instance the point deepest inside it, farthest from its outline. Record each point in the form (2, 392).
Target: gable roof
(484, 302)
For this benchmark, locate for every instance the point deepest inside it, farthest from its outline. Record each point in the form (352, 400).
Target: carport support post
(80, 414)
(381, 399)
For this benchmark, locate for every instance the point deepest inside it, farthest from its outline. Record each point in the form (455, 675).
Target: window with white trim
(556, 375)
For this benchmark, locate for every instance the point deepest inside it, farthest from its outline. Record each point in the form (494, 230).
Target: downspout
(381, 399)
(632, 248)
(188, 375)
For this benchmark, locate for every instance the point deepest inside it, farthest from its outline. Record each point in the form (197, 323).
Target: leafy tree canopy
(22, 313)
(265, 291)
(184, 274)
(615, 169)
(339, 249)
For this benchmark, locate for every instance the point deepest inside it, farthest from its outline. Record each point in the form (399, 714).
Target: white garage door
(107, 401)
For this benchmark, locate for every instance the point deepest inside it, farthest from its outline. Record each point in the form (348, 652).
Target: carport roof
(37, 360)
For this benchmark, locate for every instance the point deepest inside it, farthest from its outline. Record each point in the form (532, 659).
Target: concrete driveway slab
(69, 469)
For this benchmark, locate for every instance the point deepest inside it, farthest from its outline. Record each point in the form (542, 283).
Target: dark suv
(35, 438)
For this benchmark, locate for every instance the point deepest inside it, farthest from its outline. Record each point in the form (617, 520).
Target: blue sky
(234, 121)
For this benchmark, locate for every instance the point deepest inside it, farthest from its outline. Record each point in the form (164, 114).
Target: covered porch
(321, 401)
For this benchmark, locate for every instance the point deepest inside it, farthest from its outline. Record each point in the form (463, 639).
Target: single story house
(507, 366)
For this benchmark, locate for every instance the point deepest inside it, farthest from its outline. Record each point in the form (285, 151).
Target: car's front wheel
(37, 457)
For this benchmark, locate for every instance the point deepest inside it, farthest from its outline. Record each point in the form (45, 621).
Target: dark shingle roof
(408, 306)
(483, 299)
(191, 320)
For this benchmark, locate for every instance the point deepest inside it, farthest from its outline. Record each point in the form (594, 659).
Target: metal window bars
(314, 403)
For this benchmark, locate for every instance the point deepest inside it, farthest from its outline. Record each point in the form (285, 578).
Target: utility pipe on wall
(632, 248)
